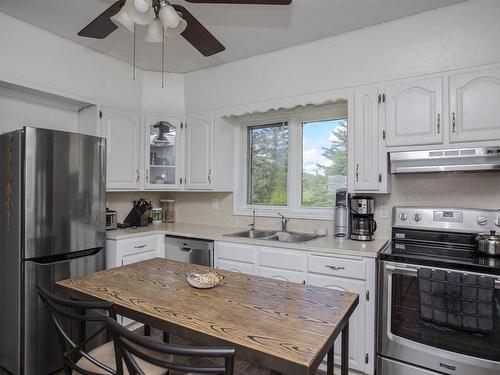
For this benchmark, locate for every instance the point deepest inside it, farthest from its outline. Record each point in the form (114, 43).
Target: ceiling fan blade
(102, 25)
(259, 2)
(198, 35)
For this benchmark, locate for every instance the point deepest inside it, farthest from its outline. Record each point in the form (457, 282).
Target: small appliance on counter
(342, 219)
(363, 225)
(140, 214)
(111, 219)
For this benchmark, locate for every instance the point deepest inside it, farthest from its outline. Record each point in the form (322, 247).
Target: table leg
(329, 362)
(344, 366)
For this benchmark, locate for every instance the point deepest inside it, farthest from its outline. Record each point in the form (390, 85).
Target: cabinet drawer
(236, 252)
(137, 245)
(139, 257)
(280, 274)
(288, 260)
(337, 266)
(238, 267)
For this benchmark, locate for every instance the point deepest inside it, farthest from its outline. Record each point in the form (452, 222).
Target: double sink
(272, 235)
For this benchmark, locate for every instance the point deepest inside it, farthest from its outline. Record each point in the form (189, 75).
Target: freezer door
(39, 341)
(64, 192)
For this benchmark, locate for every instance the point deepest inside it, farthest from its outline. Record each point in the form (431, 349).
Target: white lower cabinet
(347, 273)
(133, 250)
(356, 323)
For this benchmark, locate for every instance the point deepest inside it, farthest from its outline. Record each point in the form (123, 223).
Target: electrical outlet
(215, 204)
(384, 212)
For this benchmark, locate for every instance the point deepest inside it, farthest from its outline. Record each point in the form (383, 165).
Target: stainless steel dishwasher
(189, 250)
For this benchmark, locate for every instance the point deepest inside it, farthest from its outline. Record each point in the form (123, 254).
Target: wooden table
(286, 327)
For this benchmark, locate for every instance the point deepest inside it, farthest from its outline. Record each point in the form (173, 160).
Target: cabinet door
(474, 106)
(199, 144)
(162, 152)
(356, 322)
(238, 267)
(366, 140)
(122, 130)
(414, 112)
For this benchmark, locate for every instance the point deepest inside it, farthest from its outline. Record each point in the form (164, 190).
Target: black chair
(134, 348)
(64, 312)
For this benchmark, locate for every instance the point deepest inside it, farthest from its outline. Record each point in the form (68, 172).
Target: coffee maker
(363, 225)
(342, 219)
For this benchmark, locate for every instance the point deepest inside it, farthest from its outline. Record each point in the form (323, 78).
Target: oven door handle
(408, 270)
(414, 271)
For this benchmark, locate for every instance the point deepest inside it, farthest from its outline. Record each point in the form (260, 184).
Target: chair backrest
(63, 312)
(131, 347)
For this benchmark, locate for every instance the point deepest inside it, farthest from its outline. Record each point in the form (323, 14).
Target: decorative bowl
(204, 280)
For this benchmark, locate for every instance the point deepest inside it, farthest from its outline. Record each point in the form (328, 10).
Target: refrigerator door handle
(67, 257)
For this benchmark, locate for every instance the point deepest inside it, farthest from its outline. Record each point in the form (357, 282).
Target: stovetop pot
(488, 243)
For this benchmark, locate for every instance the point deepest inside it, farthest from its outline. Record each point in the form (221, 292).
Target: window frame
(295, 119)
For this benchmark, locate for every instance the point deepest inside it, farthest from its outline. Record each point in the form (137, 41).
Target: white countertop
(327, 244)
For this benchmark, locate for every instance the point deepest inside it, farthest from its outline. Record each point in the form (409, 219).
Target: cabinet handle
(335, 268)
(139, 247)
(303, 282)
(453, 122)
(357, 172)
(380, 177)
(147, 175)
(137, 171)
(209, 176)
(439, 123)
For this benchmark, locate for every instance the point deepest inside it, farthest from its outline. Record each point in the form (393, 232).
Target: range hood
(446, 160)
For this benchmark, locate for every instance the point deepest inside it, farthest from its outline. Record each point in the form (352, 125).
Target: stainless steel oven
(404, 336)
(410, 344)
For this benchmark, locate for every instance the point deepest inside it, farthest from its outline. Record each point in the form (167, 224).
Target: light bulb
(169, 17)
(141, 5)
(122, 19)
(155, 32)
(170, 32)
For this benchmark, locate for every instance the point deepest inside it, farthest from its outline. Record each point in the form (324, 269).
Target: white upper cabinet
(199, 151)
(366, 140)
(162, 152)
(474, 106)
(122, 130)
(414, 112)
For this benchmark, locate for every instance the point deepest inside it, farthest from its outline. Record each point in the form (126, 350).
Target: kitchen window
(292, 161)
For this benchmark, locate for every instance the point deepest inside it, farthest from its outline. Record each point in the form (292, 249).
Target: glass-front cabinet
(162, 152)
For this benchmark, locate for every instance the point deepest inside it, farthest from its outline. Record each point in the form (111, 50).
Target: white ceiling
(245, 30)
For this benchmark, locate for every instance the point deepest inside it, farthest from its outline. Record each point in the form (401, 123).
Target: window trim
(295, 119)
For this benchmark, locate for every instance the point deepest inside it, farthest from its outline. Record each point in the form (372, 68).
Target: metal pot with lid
(488, 243)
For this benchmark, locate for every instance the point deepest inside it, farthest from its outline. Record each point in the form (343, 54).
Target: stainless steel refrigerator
(52, 227)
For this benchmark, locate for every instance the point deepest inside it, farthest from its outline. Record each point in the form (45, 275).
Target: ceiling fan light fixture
(170, 32)
(122, 20)
(168, 15)
(155, 32)
(142, 5)
(138, 17)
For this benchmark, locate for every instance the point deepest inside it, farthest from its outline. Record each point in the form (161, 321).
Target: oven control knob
(417, 216)
(481, 220)
(403, 216)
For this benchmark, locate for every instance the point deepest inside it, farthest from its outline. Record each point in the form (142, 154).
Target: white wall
(16, 113)
(37, 59)
(167, 99)
(461, 35)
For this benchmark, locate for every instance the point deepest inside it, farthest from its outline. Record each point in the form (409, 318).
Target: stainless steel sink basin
(272, 236)
(295, 237)
(257, 234)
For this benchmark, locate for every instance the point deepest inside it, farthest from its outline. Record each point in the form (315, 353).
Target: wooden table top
(279, 321)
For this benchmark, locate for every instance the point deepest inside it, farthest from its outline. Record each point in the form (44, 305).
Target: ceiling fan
(164, 19)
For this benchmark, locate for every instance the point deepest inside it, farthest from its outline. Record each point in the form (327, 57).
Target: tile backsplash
(468, 190)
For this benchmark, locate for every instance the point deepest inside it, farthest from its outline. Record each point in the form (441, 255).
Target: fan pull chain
(133, 71)
(162, 62)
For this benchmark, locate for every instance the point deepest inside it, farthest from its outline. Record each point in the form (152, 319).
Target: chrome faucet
(252, 226)
(284, 222)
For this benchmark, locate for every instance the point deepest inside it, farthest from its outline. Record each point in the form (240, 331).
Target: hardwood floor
(241, 367)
